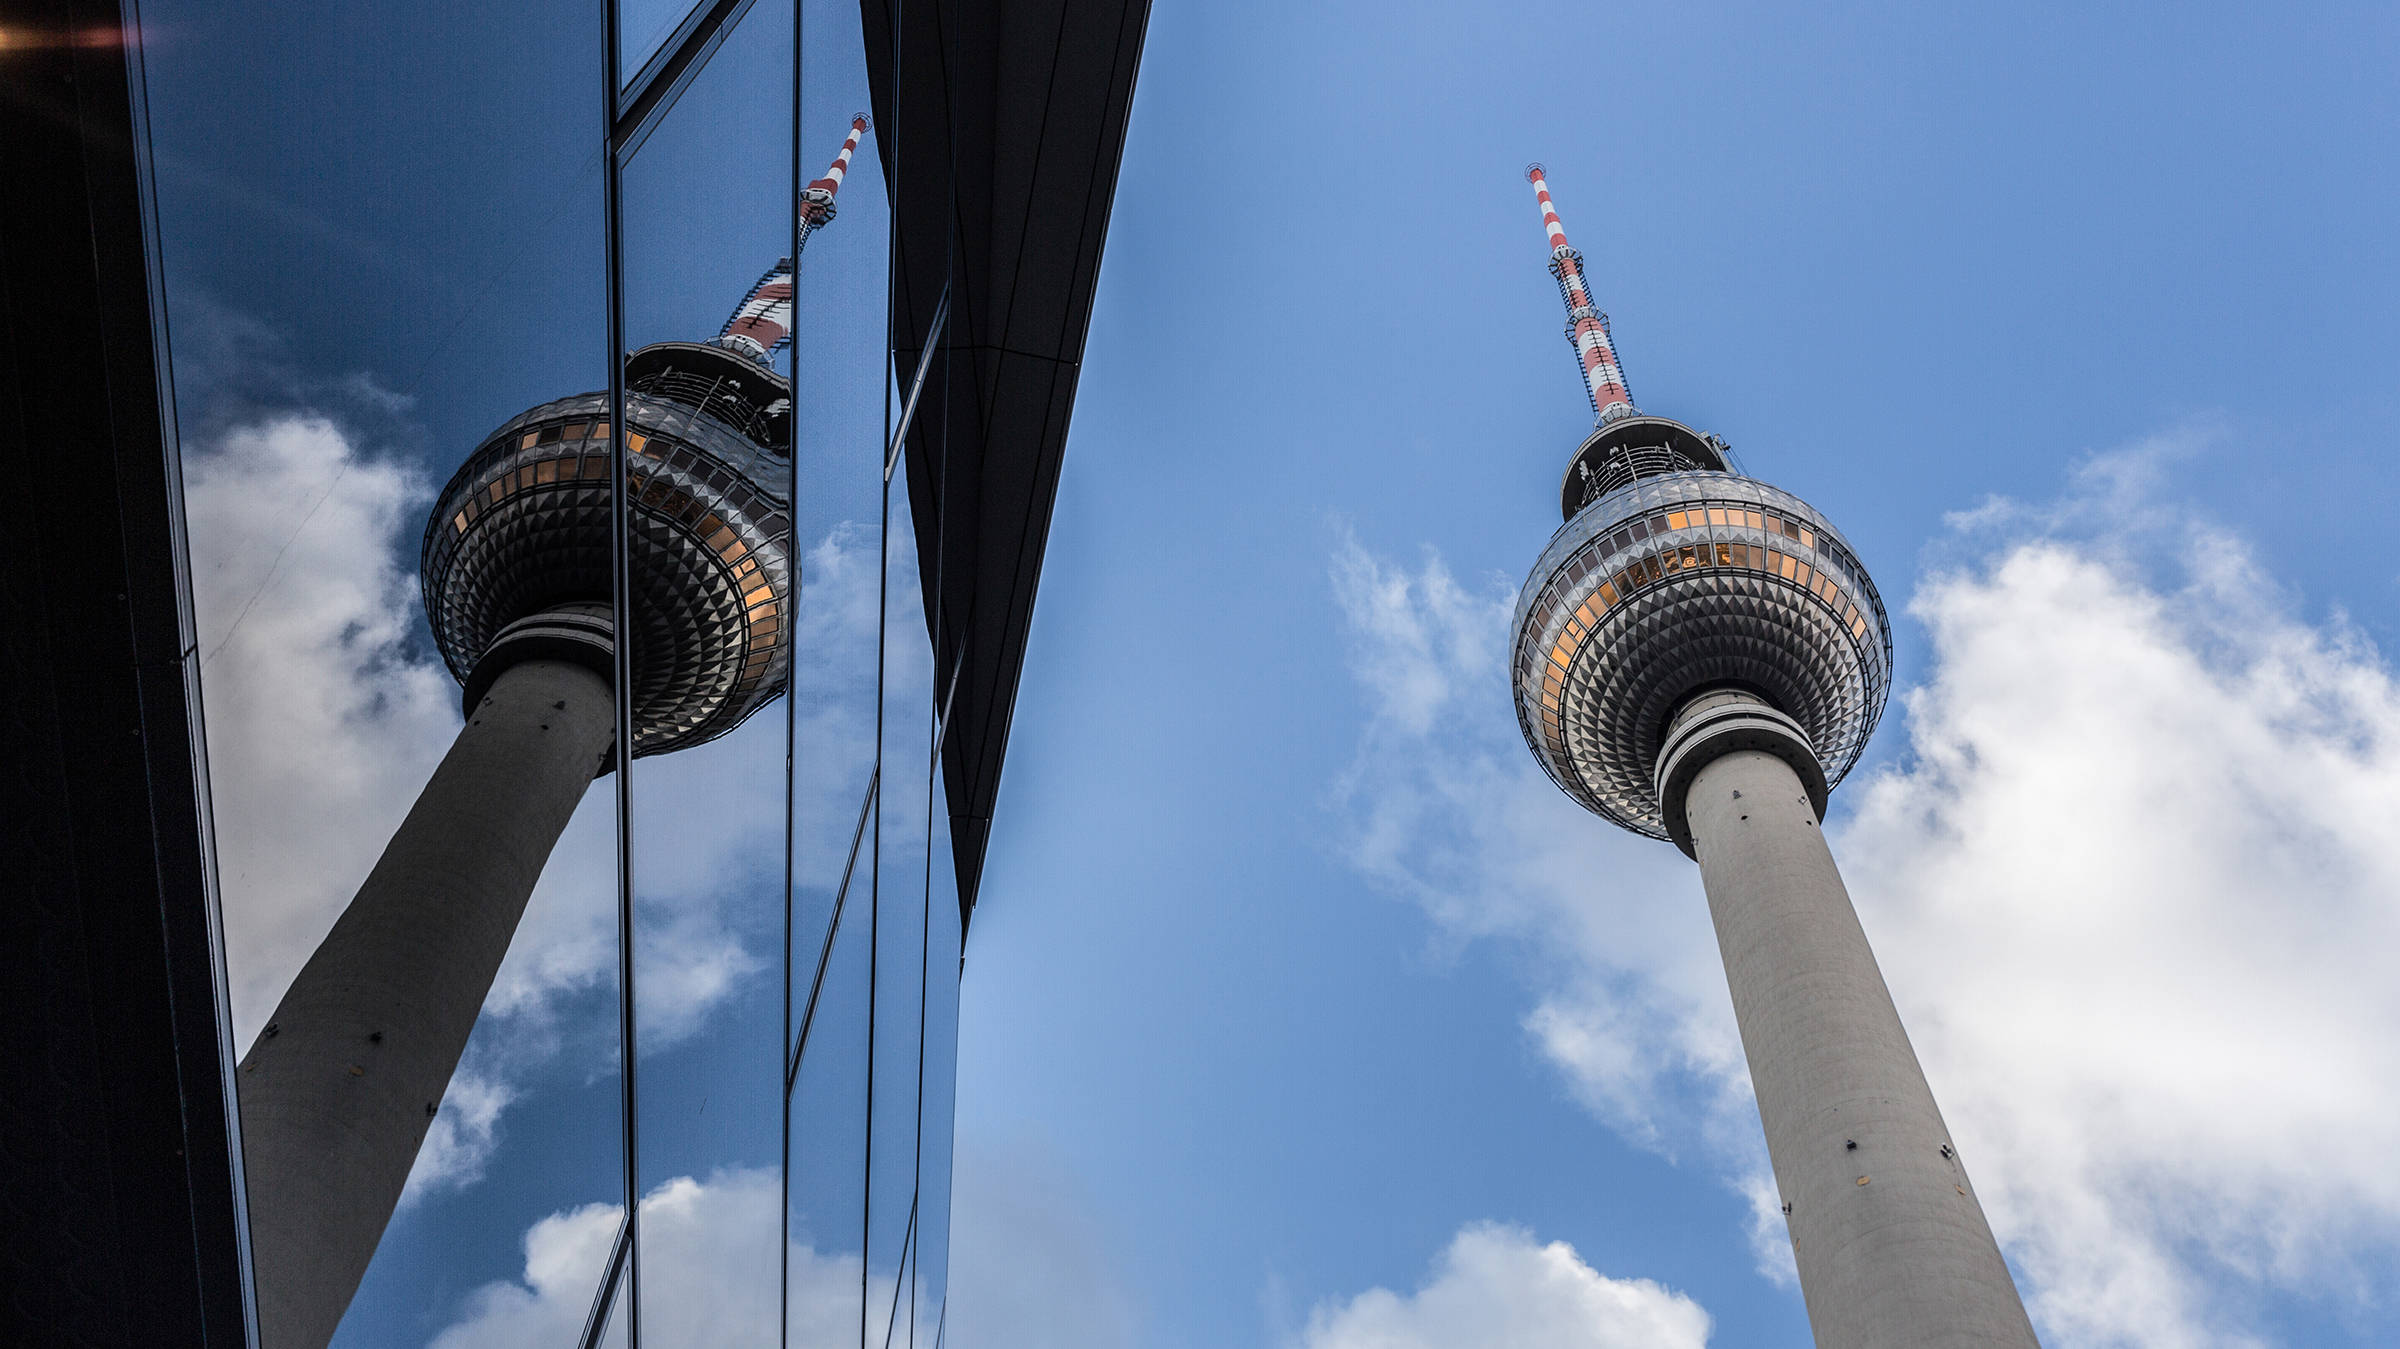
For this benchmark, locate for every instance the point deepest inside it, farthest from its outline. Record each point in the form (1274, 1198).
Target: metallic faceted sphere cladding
(524, 526)
(1679, 583)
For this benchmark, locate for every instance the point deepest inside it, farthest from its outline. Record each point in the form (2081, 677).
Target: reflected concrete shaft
(1892, 1245)
(341, 1087)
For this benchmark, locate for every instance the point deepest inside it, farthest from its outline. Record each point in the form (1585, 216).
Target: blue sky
(2075, 320)
(1904, 258)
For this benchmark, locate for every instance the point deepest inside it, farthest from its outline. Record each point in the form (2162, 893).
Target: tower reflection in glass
(343, 1084)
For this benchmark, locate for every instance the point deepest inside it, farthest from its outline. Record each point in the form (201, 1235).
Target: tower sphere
(523, 529)
(1674, 575)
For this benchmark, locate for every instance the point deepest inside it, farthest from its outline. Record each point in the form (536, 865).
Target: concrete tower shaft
(1890, 1241)
(1701, 657)
(1587, 328)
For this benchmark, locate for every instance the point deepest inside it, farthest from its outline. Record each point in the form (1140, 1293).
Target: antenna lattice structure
(1587, 327)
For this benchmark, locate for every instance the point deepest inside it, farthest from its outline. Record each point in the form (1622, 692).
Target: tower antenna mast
(761, 324)
(1587, 327)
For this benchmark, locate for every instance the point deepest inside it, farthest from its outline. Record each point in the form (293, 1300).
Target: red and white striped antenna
(1587, 327)
(816, 200)
(761, 324)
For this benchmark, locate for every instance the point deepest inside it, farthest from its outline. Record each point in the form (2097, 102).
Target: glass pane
(644, 30)
(902, 927)
(707, 221)
(930, 1271)
(615, 1335)
(371, 278)
(839, 806)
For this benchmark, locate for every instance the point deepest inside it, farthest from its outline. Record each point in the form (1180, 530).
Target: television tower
(1699, 657)
(342, 1085)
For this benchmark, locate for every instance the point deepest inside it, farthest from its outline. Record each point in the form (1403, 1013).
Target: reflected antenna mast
(761, 324)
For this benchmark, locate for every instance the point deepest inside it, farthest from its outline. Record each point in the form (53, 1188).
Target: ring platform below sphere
(524, 527)
(1679, 583)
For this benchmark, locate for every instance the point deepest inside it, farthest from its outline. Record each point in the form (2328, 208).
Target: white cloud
(709, 1274)
(1495, 1287)
(463, 1136)
(322, 720)
(1028, 1265)
(2134, 885)
(564, 1256)
(2137, 888)
(834, 655)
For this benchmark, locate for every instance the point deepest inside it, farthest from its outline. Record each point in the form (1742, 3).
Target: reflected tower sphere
(344, 1083)
(517, 550)
(1700, 657)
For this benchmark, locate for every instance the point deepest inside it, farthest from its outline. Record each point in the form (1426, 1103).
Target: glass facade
(449, 311)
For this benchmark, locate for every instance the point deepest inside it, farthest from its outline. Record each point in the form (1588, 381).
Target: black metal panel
(1001, 133)
(119, 1216)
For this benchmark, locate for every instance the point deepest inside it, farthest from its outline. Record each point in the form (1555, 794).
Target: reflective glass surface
(492, 367)
(368, 268)
(706, 212)
(647, 29)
